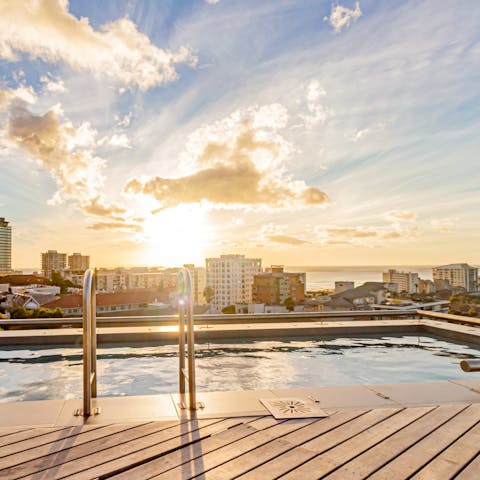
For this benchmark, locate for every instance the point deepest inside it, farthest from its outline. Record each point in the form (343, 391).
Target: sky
(302, 132)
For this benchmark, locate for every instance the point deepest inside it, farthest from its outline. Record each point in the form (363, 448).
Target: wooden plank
(57, 458)
(68, 438)
(26, 435)
(201, 464)
(196, 450)
(374, 458)
(272, 450)
(98, 463)
(48, 437)
(4, 431)
(471, 471)
(454, 458)
(339, 454)
(209, 466)
(425, 450)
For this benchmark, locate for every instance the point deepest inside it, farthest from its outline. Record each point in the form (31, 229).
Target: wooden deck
(389, 443)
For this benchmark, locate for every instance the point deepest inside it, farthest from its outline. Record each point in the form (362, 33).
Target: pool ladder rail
(470, 365)
(185, 312)
(185, 303)
(89, 345)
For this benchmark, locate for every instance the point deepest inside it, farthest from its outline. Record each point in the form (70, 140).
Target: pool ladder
(185, 311)
(89, 345)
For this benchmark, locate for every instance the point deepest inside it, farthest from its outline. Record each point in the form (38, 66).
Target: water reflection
(140, 369)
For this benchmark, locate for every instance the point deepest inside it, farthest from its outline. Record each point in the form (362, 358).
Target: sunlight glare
(176, 236)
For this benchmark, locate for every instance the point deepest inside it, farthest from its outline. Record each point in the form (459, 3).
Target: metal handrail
(89, 344)
(185, 309)
(470, 365)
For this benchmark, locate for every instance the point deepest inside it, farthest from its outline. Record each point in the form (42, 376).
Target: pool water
(39, 373)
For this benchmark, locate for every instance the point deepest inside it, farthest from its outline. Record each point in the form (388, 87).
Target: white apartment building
(53, 261)
(458, 275)
(406, 281)
(199, 282)
(231, 277)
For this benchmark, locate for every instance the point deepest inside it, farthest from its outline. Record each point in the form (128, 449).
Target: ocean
(321, 278)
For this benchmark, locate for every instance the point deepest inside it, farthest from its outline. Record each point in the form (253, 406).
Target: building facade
(53, 261)
(406, 281)
(199, 282)
(274, 286)
(231, 278)
(458, 275)
(5, 246)
(78, 262)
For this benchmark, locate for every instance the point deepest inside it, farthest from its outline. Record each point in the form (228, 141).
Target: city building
(274, 286)
(78, 262)
(231, 278)
(406, 281)
(5, 247)
(116, 304)
(458, 275)
(426, 286)
(199, 282)
(359, 298)
(52, 261)
(342, 286)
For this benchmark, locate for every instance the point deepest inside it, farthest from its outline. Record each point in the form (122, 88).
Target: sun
(176, 236)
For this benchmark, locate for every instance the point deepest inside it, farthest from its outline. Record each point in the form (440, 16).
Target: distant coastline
(324, 277)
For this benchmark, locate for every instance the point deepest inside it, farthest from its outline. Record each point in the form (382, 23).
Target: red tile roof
(125, 297)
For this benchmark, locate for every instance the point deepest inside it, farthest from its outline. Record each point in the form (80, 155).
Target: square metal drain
(292, 408)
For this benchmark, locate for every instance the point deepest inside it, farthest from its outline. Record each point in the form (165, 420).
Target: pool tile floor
(52, 413)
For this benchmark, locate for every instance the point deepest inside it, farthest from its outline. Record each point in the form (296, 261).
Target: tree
(59, 281)
(208, 293)
(229, 309)
(290, 304)
(20, 312)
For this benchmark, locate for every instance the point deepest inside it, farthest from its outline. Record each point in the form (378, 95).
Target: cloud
(52, 84)
(121, 226)
(317, 113)
(403, 215)
(443, 225)
(44, 29)
(341, 17)
(212, 2)
(54, 145)
(125, 121)
(362, 234)
(99, 207)
(116, 140)
(287, 239)
(19, 95)
(238, 161)
(273, 233)
(66, 153)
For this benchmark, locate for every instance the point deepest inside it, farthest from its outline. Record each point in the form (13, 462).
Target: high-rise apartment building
(274, 286)
(5, 246)
(52, 261)
(458, 275)
(78, 262)
(406, 281)
(231, 278)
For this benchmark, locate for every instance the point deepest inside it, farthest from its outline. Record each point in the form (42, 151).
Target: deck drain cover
(292, 408)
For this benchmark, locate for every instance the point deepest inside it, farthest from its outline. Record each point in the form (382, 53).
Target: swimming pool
(40, 373)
